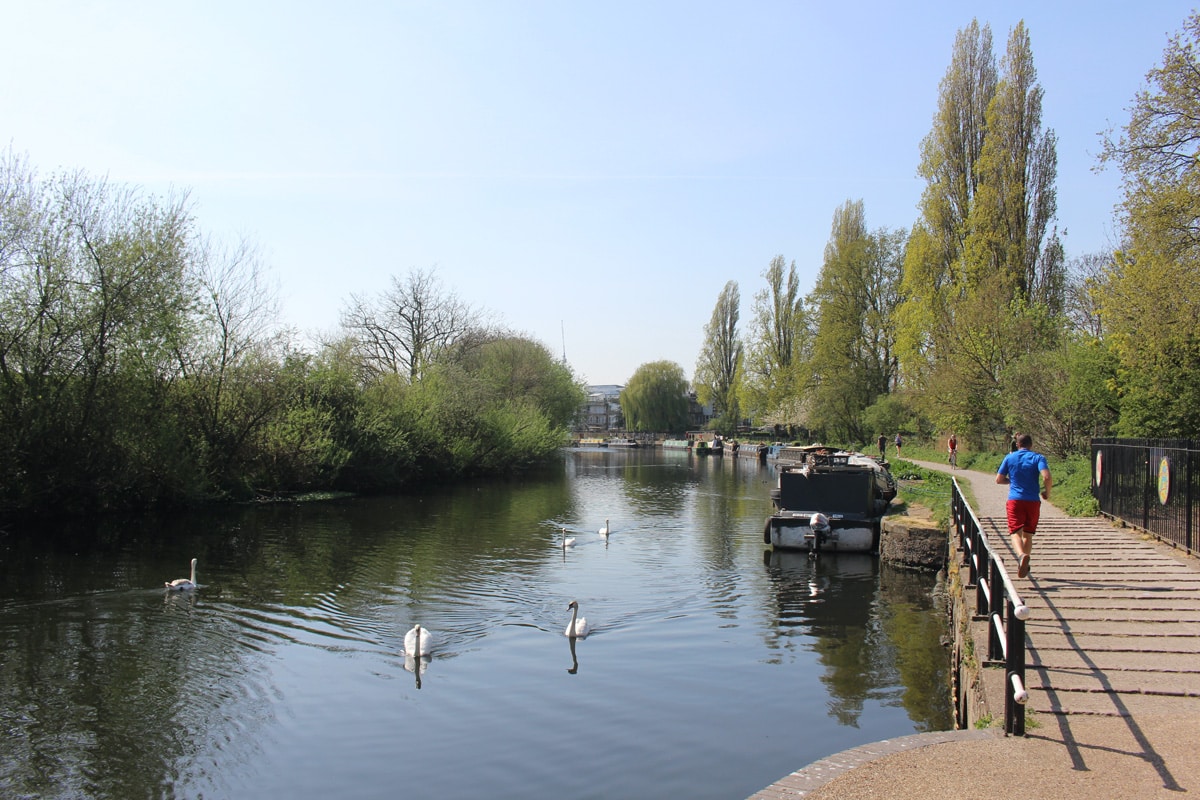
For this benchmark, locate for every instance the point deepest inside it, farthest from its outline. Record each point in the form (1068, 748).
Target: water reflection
(283, 673)
(574, 668)
(875, 630)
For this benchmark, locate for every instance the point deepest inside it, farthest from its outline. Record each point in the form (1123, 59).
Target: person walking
(898, 442)
(1021, 470)
(882, 446)
(952, 446)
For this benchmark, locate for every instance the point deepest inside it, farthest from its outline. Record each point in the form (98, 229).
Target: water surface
(714, 667)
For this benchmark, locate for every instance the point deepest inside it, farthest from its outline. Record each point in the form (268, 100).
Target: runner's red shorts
(1023, 515)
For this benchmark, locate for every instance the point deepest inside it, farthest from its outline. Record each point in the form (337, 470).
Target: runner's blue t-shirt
(1023, 468)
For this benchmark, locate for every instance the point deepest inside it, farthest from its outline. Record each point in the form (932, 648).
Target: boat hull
(792, 530)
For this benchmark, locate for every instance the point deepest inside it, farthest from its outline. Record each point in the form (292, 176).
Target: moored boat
(828, 500)
(676, 444)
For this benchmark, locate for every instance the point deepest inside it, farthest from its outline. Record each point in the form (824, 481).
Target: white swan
(605, 530)
(578, 627)
(567, 541)
(418, 641)
(183, 584)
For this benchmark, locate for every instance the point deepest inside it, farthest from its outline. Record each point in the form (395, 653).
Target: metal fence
(1152, 484)
(998, 602)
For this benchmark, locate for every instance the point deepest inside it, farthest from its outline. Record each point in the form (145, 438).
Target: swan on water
(605, 530)
(578, 627)
(567, 541)
(183, 584)
(418, 641)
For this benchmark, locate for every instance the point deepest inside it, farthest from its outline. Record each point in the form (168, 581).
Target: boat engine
(819, 529)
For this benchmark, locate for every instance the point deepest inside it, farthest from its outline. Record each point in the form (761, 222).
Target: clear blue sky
(594, 169)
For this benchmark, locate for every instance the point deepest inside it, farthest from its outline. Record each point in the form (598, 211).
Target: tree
(230, 362)
(409, 326)
(1150, 297)
(983, 273)
(1016, 200)
(777, 346)
(655, 398)
(518, 368)
(93, 294)
(720, 360)
(853, 359)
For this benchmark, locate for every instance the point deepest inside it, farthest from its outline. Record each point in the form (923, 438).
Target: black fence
(1152, 484)
(998, 602)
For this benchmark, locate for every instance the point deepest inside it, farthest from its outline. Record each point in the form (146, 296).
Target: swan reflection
(574, 668)
(417, 665)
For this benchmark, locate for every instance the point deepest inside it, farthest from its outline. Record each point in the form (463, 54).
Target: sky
(588, 174)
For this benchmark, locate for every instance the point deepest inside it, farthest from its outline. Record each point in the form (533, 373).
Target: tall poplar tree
(983, 274)
(720, 359)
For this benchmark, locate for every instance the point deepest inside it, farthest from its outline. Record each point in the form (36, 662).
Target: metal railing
(1153, 484)
(997, 601)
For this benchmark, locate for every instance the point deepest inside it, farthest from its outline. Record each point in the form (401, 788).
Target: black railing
(1152, 484)
(997, 601)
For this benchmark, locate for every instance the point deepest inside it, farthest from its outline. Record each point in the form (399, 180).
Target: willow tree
(853, 359)
(983, 274)
(720, 358)
(1150, 300)
(655, 398)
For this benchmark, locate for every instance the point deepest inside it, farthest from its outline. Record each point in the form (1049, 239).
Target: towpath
(1113, 675)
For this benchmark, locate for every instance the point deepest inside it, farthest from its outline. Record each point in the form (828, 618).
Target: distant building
(602, 412)
(698, 415)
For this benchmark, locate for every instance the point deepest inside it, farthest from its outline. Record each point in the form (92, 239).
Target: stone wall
(913, 543)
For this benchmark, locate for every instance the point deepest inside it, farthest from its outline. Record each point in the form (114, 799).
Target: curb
(818, 773)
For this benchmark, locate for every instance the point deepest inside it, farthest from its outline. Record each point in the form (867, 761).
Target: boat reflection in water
(870, 626)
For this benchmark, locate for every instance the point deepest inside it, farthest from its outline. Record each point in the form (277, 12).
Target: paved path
(1113, 671)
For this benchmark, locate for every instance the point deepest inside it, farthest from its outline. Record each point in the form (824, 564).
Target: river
(713, 667)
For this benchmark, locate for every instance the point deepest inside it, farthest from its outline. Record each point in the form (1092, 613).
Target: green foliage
(719, 366)
(887, 415)
(984, 273)
(776, 348)
(139, 366)
(655, 398)
(1149, 300)
(853, 358)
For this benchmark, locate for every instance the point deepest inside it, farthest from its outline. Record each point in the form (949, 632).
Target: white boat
(828, 500)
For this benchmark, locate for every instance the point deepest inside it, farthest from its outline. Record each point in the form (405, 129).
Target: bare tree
(407, 328)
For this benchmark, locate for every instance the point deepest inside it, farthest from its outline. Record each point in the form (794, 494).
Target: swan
(183, 584)
(605, 530)
(567, 541)
(578, 627)
(418, 641)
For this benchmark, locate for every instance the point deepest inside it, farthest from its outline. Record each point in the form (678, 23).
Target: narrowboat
(828, 500)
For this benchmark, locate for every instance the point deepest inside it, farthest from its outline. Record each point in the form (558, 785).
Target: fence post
(1014, 667)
